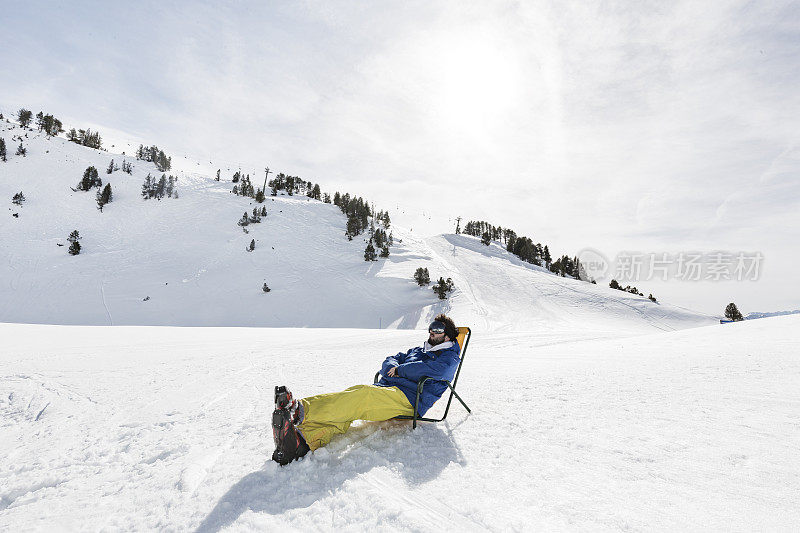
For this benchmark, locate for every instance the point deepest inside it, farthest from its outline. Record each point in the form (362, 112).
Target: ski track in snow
(592, 409)
(122, 428)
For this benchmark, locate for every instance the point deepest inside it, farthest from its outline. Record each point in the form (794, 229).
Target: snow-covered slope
(144, 429)
(183, 262)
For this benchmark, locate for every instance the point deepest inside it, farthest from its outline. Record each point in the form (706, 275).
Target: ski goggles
(436, 327)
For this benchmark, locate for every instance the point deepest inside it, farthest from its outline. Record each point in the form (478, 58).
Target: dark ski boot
(289, 443)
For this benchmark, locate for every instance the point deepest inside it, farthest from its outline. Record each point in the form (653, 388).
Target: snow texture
(592, 409)
(184, 262)
(144, 428)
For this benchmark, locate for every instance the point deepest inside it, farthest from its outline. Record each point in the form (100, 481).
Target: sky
(617, 127)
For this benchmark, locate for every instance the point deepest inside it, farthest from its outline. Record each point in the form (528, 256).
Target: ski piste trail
(592, 409)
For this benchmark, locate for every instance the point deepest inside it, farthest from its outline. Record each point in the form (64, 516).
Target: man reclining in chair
(309, 423)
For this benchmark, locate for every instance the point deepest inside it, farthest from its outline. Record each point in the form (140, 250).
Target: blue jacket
(417, 363)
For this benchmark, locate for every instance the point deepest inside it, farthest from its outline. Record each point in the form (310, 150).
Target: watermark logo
(594, 266)
(683, 266)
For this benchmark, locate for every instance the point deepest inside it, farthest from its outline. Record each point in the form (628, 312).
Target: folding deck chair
(464, 335)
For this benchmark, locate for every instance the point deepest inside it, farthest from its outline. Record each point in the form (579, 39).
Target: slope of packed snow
(184, 262)
(144, 428)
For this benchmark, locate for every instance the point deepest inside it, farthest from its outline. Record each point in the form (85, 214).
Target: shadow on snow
(418, 456)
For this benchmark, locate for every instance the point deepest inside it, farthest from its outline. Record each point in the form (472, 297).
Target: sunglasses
(436, 327)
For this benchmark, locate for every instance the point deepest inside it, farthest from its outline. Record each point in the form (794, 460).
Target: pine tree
(90, 179)
(263, 210)
(217, 179)
(732, 312)
(265, 288)
(485, 238)
(252, 245)
(21, 150)
(260, 196)
(74, 236)
(422, 277)
(245, 220)
(3, 150)
(147, 187)
(18, 198)
(353, 228)
(110, 168)
(103, 196)
(75, 248)
(369, 252)
(385, 251)
(24, 117)
(441, 288)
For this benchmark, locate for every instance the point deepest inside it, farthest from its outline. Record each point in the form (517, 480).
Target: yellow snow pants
(330, 414)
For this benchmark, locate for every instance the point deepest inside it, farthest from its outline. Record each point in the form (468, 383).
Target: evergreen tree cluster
(478, 228)
(255, 218)
(568, 266)
(75, 246)
(159, 188)
(293, 185)
(127, 167)
(3, 156)
(112, 167)
(103, 196)
(314, 192)
(357, 212)
(245, 188)
(422, 276)
(443, 287)
(21, 150)
(18, 198)
(633, 290)
(382, 239)
(524, 248)
(154, 155)
(49, 124)
(90, 179)
(383, 218)
(85, 138)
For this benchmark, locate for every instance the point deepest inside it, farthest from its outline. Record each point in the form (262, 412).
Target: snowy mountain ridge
(184, 262)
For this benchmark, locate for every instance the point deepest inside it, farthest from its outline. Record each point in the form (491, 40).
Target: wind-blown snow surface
(182, 262)
(143, 428)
